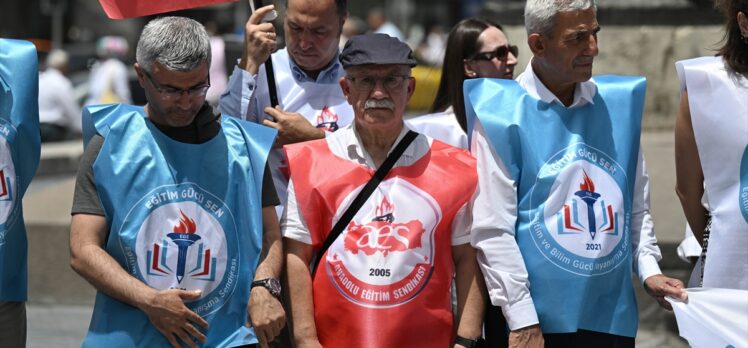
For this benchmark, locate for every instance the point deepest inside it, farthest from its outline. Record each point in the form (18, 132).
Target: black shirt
(205, 126)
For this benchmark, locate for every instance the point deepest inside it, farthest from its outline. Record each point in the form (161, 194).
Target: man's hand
(659, 286)
(259, 40)
(292, 127)
(530, 337)
(167, 312)
(266, 315)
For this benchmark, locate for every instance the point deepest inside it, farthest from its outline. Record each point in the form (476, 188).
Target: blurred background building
(639, 37)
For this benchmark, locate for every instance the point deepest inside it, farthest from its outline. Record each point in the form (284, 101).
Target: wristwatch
(272, 284)
(466, 342)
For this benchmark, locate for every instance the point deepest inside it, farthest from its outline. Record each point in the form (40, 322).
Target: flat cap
(377, 49)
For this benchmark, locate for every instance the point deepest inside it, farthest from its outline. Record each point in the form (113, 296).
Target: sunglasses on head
(500, 52)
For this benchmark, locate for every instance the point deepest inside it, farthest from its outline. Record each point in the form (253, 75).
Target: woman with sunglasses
(711, 151)
(475, 48)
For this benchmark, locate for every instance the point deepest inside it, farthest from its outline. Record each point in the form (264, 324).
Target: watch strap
(466, 342)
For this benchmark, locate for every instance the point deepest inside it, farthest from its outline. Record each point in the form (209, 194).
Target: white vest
(718, 99)
(441, 126)
(321, 104)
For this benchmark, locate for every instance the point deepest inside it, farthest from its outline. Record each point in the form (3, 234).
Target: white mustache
(379, 104)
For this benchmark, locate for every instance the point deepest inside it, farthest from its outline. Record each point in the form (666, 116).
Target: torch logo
(569, 219)
(182, 240)
(327, 120)
(384, 257)
(183, 236)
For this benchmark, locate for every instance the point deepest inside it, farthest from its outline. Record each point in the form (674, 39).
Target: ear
(344, 85)
(743, 23)
(141, 76)
(342, 22)
(537, 43)
(411, 87)
(467, 69)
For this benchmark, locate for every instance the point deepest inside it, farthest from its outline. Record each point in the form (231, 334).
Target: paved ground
(60, 302)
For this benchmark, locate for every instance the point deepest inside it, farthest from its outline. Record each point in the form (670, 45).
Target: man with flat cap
(384, 256)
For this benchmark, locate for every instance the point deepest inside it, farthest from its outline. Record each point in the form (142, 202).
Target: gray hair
(178, 43)
(540, 15)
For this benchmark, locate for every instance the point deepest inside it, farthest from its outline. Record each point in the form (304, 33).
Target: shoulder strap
(363, 195)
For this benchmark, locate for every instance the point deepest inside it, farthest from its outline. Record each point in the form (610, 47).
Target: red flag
(120, 9)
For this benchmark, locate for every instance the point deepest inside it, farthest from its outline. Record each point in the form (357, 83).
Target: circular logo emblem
(385, 256)
(583, 228)
(186, 239)
(743, 197)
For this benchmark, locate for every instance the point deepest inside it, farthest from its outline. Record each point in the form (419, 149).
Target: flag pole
(272, 89)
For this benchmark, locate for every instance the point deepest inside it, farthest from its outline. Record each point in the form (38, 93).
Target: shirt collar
(361, 152)
(584, 92)
(329, 75)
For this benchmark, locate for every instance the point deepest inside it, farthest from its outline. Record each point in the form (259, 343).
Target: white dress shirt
(495, 214)
(346, 144)
(57, 104)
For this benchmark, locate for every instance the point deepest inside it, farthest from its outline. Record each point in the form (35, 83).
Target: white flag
(713, 317)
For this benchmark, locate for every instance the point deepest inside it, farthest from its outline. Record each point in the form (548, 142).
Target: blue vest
(575, 171)
(19, 158)
(184, 216)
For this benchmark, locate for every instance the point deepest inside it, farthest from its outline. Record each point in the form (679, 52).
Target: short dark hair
(735, 49)
(341, 7)
(462, 43)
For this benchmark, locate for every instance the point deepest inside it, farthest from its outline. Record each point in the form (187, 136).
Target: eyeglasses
(172, 93)
(367, 83)
(501, 53)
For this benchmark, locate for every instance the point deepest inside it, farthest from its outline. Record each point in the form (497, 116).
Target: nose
(592, 49)
(511, 59)
(305, 41)
(378, 91)
(184, 101)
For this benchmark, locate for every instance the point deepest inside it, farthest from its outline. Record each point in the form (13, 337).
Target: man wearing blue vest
(562, 215)
(19, 158)
(173, 218)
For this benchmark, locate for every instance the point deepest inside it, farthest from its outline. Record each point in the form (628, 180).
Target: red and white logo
(327, 120)
(7, 181)
(384, 257)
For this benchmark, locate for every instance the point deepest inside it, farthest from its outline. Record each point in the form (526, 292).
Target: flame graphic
(186, 225)
(384, 208)
(326, 116)
(587, 184)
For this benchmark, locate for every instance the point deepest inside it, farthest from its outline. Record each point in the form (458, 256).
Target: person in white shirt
(385, 279)
(59, 111)
(307, 71)
(108, 82)
(535, 209)
(711, 151)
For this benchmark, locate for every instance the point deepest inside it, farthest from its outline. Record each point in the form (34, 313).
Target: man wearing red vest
(385, 280)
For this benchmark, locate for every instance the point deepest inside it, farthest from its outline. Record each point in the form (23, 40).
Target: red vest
(385, 282)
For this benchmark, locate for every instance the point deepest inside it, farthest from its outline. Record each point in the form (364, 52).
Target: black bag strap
(363, 195)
